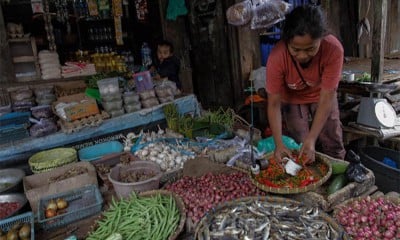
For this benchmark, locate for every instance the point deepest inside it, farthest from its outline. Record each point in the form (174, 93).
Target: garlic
(144, 153)
(153, 153)
(178, 159)
(131, 135)
(127, 148)
(154, 159)
(161, 155)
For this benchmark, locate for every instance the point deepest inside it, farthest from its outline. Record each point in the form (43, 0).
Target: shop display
(11, 204)
(20, 226)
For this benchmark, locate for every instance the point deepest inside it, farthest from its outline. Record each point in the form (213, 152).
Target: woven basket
(337, 208)
(351, 200)
(49, 159)
(179, 203)
(242, 128)
(318, 157)
(205, 221)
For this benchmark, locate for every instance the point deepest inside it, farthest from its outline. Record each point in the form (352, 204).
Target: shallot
(370, 218)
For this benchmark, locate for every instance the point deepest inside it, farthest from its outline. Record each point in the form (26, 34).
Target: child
(167, 64)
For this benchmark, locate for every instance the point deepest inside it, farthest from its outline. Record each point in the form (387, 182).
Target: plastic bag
(268, 12)
(268, 144)
(239, 13)
(355, 171)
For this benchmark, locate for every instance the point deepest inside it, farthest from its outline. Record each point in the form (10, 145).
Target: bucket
(124, 189)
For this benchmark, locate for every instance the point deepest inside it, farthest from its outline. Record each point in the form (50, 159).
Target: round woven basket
(206, 220)
(49, 159)
(179, 203)
(286, 190)
(337, 208)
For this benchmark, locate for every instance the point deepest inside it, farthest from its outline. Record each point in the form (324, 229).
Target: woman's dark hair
(305, 19)
(167, 44)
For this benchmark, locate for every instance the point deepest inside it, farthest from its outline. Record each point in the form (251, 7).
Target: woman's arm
(325, 103)
(275, 122)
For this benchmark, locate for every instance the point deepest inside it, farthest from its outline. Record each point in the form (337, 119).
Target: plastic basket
(124, 189)
(46, 160)
(15, 118)
(386, 178)
(97, 151)
(13, 133)
(27, 217)
(82, 203)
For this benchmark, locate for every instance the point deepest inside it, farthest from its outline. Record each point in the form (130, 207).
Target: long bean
(154, 217)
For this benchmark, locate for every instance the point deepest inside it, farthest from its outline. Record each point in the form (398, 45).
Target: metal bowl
(20, 198)
(10, 179)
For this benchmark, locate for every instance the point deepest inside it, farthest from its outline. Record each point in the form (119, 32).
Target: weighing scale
(376, 112)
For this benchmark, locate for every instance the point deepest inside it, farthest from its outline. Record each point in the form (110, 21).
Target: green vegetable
(339, 167)
(337, 183)
(114, 236)
(153, 217)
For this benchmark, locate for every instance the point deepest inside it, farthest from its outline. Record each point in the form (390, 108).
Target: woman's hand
(280, 152)
(307, 151)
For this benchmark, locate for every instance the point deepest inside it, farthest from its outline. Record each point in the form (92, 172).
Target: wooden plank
(378, 39)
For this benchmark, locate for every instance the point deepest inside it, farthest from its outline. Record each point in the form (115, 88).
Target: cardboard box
(86, 106)
(37, 186)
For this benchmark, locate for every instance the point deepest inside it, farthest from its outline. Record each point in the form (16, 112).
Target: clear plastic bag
(268, 12)
(239, 13)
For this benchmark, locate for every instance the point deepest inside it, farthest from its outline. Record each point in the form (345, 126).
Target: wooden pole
(378, 39)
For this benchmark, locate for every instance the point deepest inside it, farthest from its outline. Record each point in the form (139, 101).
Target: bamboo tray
(286, 190)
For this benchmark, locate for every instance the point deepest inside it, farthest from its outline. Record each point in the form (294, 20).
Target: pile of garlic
(169, 157)
(166, 156)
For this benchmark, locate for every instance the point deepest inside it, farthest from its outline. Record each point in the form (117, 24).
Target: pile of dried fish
(257, 219)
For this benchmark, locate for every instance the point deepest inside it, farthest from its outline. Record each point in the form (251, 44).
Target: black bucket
(387, 178)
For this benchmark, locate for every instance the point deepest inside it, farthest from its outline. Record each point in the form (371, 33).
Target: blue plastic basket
(27, 217)
(82, 203)
(15, 118)
(12, 133)
(97, 151)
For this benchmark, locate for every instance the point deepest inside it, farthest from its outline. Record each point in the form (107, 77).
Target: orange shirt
(323, 72)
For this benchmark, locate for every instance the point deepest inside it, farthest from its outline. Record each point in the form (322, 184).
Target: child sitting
(167, 65)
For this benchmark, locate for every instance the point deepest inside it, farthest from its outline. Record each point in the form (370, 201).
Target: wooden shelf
(24, 59)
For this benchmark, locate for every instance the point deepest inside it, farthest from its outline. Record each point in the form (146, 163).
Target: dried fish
(259, 220)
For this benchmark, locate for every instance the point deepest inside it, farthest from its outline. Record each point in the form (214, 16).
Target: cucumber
(337, 183)
(339, 167)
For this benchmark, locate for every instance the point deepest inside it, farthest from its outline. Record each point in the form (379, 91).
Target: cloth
(176, 8)
(324, 72)
(170, 68)
(298, 125)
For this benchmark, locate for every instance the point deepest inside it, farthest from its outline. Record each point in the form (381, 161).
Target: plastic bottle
(146, 55)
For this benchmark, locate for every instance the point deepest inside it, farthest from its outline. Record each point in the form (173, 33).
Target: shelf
(24, 59)
(19, 40)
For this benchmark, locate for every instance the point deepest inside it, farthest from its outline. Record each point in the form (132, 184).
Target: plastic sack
(268, 144)
(268, 12)
(356, 171)
(43, 128)
(239, 13)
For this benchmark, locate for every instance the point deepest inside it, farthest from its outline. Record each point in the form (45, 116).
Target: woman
(303, 72)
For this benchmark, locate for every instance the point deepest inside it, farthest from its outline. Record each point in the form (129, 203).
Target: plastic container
(117, 113)
(11, 180)
(108, 86)
(14, 198)
(15, 118)
(97, 151)
(112, 105)
(124, 189)
(27, 217)
(111, 97)
(133, 107)
(130, 97)
(82, 202)
(42, 111)
(143, 81)
(387, 178)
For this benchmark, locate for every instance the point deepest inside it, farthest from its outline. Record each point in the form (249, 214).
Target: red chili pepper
(269, 183)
